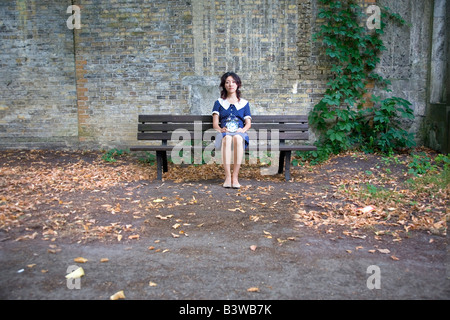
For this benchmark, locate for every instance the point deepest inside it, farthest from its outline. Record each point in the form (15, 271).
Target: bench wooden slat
(281, 126)
(172, 126)
(160, 128)
(205, 126)
(251, 148)
(208, 118)
(155, 136)
(280, 118)
(174, 118)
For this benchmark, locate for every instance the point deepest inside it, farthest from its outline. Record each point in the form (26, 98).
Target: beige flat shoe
(236, 186)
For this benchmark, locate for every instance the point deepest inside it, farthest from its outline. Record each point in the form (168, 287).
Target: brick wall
(85, 88)
(37, 81)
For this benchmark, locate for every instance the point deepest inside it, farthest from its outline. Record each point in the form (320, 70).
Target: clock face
(232, 126)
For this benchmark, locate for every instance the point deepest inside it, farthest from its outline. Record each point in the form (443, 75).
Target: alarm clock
(232, 124)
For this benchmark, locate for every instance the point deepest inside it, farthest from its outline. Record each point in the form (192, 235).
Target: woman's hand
(241, 130)
(216, 124)
(221, 130)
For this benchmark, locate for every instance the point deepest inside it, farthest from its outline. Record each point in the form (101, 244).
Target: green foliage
(148, 158)
(428, 177)
(420, 164)
(372, 192)
(110, 156)
(385, 133)
(340, 117)
(444, 160)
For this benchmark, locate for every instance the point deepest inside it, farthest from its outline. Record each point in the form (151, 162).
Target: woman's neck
(232, 98)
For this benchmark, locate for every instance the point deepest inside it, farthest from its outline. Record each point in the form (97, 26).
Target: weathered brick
(86, 87)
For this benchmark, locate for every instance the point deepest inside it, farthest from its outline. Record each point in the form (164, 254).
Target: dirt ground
(187, 237)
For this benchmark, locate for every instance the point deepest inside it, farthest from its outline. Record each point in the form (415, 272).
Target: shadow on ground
(189, 238)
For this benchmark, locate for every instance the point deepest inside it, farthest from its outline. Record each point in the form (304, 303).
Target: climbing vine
(342, 118)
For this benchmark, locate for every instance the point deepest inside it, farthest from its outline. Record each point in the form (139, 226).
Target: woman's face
(230, 85)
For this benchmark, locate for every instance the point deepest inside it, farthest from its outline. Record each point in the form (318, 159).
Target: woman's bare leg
(238, 152)
(226, 158)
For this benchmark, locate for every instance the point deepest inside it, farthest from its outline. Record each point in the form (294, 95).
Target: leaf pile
(379, 200)
(31, 184)
(50, 194)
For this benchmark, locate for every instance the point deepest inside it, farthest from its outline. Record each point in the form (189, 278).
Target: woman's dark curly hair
(236, 78)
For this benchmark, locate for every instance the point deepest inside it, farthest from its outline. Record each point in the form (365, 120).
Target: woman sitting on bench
(232, 119)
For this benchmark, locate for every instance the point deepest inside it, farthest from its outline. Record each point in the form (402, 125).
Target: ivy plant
(340, 118)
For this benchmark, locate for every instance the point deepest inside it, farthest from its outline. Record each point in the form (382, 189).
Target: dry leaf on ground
(118, 295)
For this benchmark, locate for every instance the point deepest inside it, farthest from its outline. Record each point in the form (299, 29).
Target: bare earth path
(189, 238)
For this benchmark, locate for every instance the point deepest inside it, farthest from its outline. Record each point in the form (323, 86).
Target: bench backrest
(160, 127)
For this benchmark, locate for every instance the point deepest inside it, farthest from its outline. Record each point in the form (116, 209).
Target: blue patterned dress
(239, 111)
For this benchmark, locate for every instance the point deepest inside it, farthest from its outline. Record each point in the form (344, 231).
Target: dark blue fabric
(240, 114)
(232, 110)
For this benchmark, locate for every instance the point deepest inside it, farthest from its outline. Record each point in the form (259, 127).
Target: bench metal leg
(287, 165)
(281, 162)
(165, 169)
(159, 163)
(285, 161)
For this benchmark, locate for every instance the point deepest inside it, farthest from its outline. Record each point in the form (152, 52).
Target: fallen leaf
(394, 258)
(104, 260)
(367, 209)
(133, 237)
(152, 284)
(158, 200)
(164, 217)
(253, 247)
(175, 235)
(384, 250)
(176, 225)
(80, 260)
(118, 295)
(267, 234)
(253, 289)
(29, 237)
(78, 273)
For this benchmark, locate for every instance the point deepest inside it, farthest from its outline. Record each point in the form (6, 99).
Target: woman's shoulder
(225, 104)
(242, 104)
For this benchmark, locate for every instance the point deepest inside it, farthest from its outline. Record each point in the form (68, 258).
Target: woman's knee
(238, 140)
(227, 140)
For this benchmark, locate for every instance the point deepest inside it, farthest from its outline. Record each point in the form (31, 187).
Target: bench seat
(292, 128)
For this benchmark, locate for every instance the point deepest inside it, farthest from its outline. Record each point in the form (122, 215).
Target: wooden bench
(160, 128)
